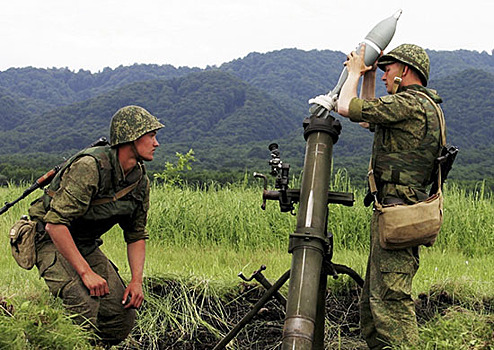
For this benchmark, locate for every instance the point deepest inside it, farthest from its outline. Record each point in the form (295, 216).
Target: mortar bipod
(259, 277)
(272, 291)
(255, 309)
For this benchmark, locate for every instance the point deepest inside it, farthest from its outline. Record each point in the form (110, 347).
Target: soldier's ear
(406, 70)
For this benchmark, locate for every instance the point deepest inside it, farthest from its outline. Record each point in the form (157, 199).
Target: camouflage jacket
(406, 139)
(72, 198)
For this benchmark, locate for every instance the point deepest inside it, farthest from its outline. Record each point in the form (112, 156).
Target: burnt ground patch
(264, 331)
(437, 302)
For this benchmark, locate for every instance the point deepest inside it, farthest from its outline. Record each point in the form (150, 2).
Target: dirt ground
(264, 331)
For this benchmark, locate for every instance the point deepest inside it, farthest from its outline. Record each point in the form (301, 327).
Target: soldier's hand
(355, 62)
(96, 284)
(133, 295)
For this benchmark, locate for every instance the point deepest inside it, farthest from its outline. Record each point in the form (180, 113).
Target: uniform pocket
(399, 261)
(54, 269)
(398, 267)
(397, 286)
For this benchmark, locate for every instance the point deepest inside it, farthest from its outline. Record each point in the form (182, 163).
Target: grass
(202, 238)
(40, 323)
(458, 328)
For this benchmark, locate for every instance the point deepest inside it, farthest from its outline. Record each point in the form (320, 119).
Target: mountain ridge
(241, 106)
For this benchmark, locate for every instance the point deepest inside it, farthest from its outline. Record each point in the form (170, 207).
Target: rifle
(47, 177)
(444, 163)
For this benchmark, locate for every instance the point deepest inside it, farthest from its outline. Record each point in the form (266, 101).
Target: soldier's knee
(117, 330)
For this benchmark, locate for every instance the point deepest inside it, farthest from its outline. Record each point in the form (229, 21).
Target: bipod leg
(246, 319)
(259, 277)
(335, 269)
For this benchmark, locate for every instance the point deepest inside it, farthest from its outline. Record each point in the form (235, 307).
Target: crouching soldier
(96, 189)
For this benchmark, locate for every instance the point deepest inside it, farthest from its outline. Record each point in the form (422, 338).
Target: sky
(94, 34)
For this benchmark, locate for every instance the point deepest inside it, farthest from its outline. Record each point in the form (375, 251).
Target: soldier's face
(146, 145)
(391, 71)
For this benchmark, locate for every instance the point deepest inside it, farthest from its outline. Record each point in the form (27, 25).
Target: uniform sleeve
(78, 184)
(387, 110)
(355, 110)
(135, 228)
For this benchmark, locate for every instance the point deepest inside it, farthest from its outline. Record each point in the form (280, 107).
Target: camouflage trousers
(387, 310)
(105, 315)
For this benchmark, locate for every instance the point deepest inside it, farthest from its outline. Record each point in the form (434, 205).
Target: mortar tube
(309, 242)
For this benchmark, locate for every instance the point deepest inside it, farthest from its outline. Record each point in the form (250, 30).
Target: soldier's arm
(69, 202)
(136, 235)
(136, 253)
(61, 237)
(368, 89)
(348, 92)
(356, 68)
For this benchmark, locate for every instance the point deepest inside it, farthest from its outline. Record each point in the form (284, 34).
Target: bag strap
(117, 195)
(440, 115)
(123, 192)
(442, 128)
(372, 180)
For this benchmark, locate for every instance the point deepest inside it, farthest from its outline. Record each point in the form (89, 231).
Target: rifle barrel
(47, 177)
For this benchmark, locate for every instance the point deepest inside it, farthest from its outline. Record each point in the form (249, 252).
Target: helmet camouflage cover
(411, 55)
(131, 122)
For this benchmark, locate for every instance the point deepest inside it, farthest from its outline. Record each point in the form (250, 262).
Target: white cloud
(94, 34)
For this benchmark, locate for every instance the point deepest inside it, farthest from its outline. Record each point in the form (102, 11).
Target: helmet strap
(136, 154)
(398, 79)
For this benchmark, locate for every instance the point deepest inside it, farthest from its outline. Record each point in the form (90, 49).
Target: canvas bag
(22, 236)
(402, 226)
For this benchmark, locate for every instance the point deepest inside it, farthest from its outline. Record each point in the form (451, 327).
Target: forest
(227, 114)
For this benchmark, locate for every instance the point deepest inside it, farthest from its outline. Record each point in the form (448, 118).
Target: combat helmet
(411, 55)
(131, 122)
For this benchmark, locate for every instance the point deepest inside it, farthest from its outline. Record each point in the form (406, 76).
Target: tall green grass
(228, 216)
(231, 216)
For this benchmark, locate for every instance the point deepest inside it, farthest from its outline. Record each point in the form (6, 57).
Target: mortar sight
(273, 147)
(275, 161)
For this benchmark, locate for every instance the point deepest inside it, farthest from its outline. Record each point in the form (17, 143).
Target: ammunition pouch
(22, 242)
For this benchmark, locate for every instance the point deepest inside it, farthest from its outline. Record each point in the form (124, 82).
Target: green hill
(227, 114)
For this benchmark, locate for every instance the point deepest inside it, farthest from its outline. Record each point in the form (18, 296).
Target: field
(202, 238)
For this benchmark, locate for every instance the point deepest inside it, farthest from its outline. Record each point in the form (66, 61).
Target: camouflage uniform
(82, 197)
(406, 142)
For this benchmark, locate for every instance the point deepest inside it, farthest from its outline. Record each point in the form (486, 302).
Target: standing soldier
(406, 144)
(96, 189)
